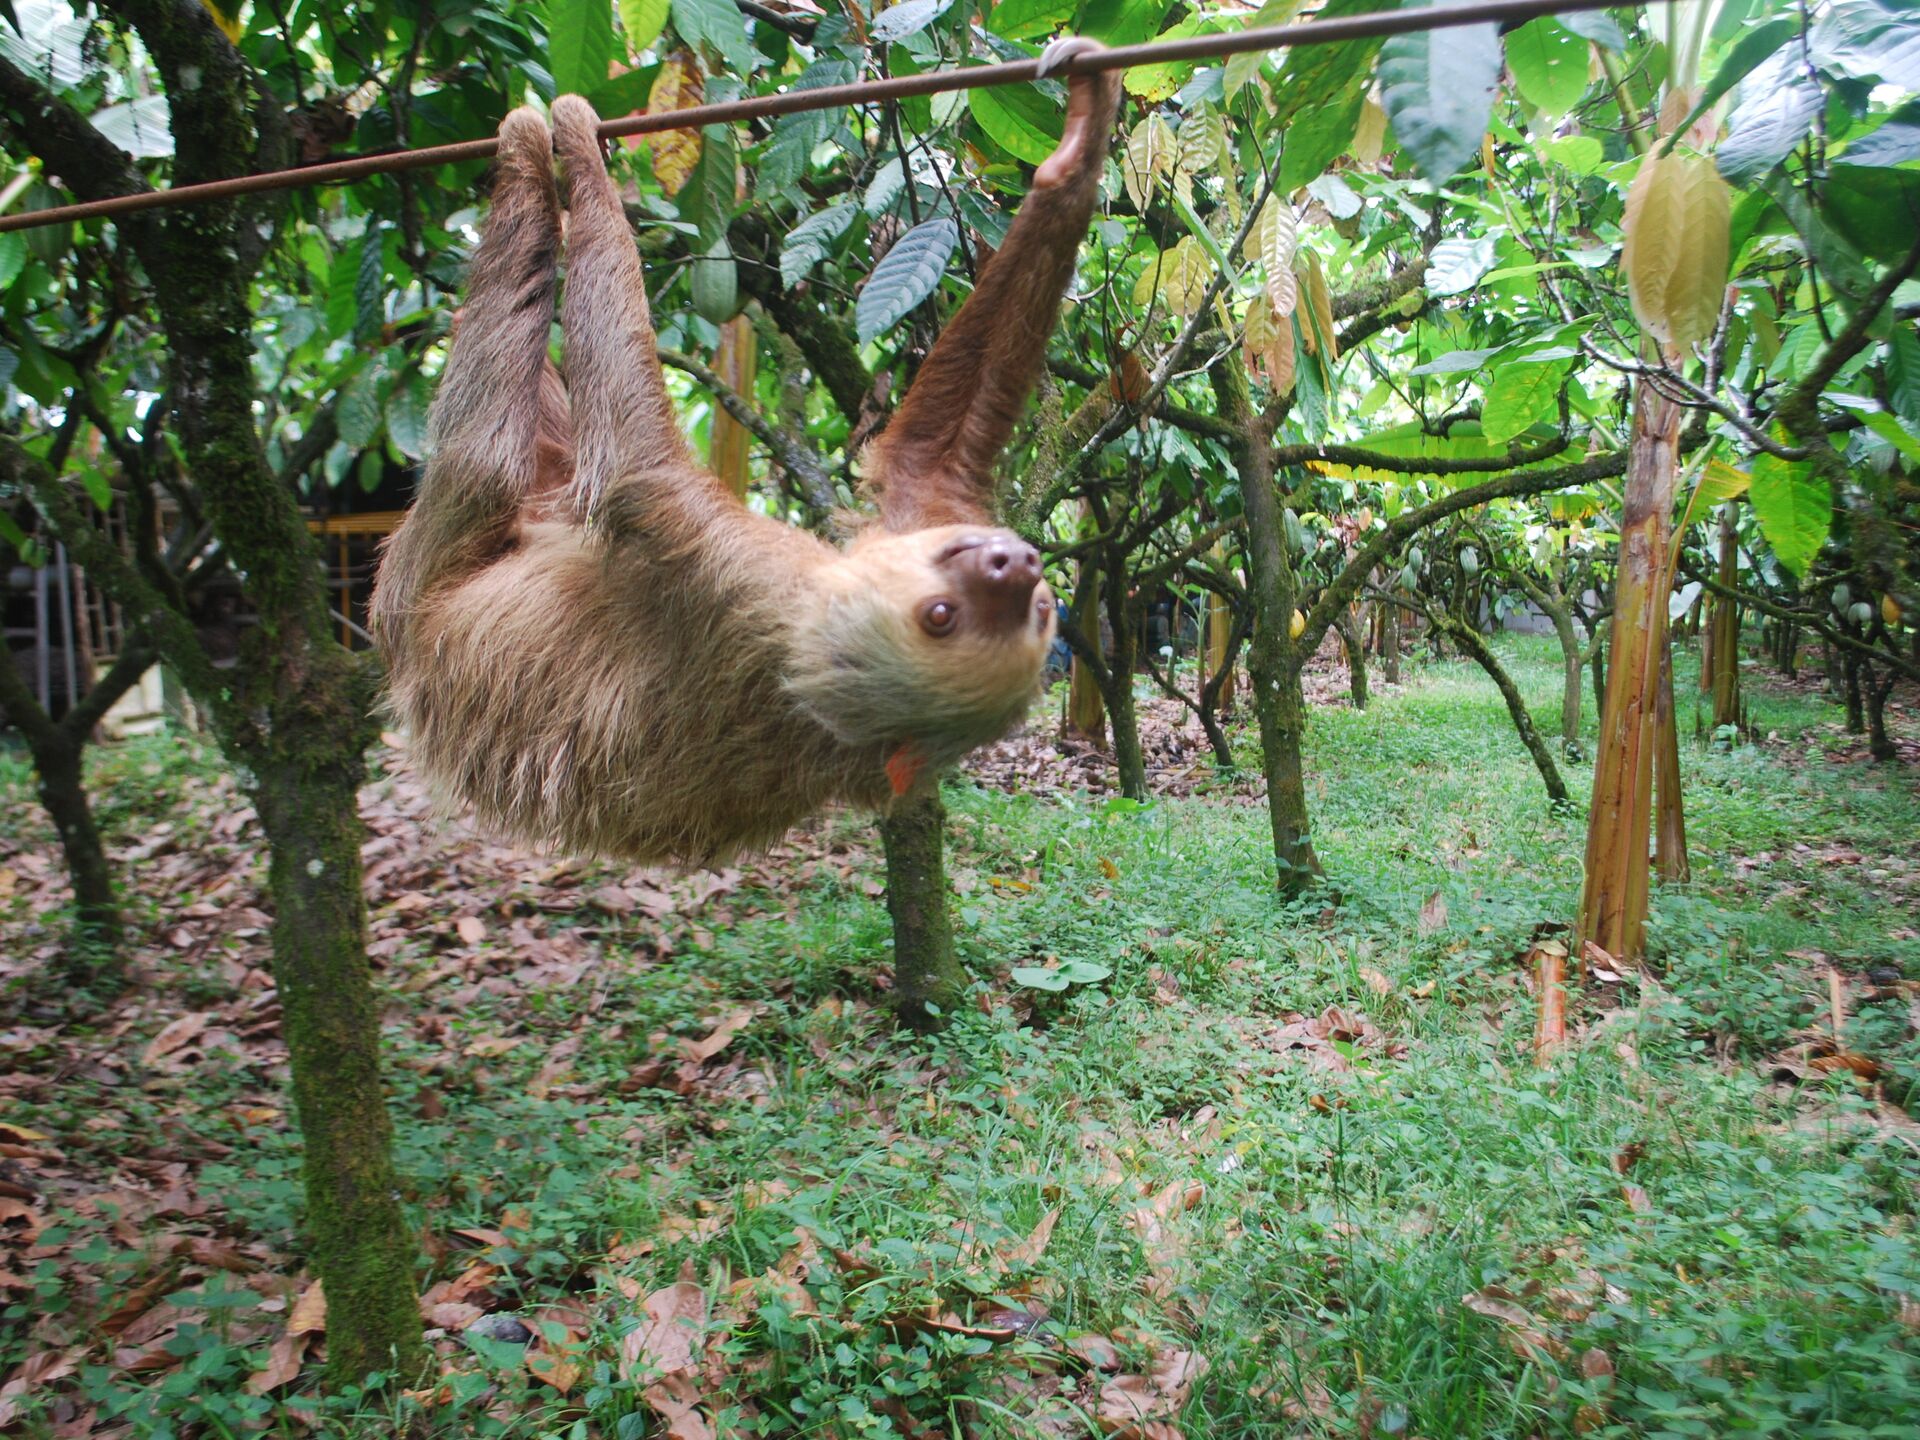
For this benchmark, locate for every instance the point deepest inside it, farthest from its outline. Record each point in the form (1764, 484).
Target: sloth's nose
(1002, 572)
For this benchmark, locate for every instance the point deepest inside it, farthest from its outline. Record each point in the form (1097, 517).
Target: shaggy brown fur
(597, 647)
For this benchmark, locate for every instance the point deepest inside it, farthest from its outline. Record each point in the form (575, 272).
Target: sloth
(595, 647)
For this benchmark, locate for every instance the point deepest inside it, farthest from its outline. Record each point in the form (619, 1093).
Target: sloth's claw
(1062, 50)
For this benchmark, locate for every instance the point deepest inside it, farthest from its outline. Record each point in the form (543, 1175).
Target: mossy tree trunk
(1390, 641)
(1116, 685)
(1356, 654)
(1086, 709)
(296, 710)
(928, 978)
(1274, 660)
(1669, 821)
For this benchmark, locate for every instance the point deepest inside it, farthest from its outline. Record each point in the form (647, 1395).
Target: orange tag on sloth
(904, 767)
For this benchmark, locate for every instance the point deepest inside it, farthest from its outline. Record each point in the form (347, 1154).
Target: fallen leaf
(1142, 1407)
(309, 1313)
(1433, 914)
(701, 1051)
(676, 1316)
(283, 1363)
(471, 929)
(176, 1034)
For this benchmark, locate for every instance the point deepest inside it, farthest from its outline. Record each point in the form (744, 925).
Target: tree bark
(1722, 668)
(1390, 644)
(1356, 660)
(1086, 710)
(1123, 719)
(1878, 689)
(362, 1247)
(1613, 907)
(1219, 629)
(1670, 821)
(1273, 659)
(928, 978)
(1856, 708)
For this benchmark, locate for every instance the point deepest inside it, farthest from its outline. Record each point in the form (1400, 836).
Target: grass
(1402, 1226)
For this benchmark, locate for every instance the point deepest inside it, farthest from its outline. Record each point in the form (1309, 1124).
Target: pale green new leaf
(1795, 509)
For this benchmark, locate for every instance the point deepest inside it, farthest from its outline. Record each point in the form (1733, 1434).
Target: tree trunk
(362, 1247)
(1122, 714)
(1856, 710)
(1086, 710)
(734, 360)
(1219, 629)
(1356, 660)
(1879, 743)
(1670, 821)
(928, 978)
(1613, 907)
(1722, 667)
(1390, 643)
(1571, 667)
(1482, 654)
(91, 961)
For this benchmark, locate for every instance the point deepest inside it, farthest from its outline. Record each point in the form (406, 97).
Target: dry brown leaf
(33, 1373)
(1375, 981)
(676, 1400)
(1523, 1333)
(283, 1364)
(309, 1313)
(174, 1036)
(1142, 1407)
(555, 1367)
(676, 1316)
(1026, 1253)
(701, 1051)
(471, 929)
(1433, 914)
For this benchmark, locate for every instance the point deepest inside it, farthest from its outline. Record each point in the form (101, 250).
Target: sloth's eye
(940, 617)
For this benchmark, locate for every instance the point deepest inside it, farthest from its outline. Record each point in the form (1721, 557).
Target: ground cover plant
(1191, 1158)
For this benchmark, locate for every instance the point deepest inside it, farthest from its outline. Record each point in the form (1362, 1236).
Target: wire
(1506, 13)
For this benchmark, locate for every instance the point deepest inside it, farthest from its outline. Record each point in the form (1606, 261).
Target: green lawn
(1297, 1160)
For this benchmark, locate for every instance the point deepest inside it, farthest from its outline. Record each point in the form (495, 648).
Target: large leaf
(139, 127)
(906, 275)
(1317, 139)
(1549, 64)
(1903, 374)
(1795, 509)
(1123, 22)
(1896, 142)
(1875, 208)
(1437, 87)
(809, 242)
(1029, 19)
(1718, 483)
(1866, 42)
(406, 415)
(909, 17)
(580, 44)
(1770, 122)
(642, 20)
(717, 25)
(1455, 266)
(1313, 72)
(1149, 155)
(675, 152)
(1675, 249)
(1520, 396)
(1019, 119)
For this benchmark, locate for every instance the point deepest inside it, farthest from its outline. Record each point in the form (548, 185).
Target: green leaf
(13, 257)
(1456, 362)
(1903, 374)
(708, 198)
(1030, 19)
(1895, 143)
(358, 410)
(580, 44)
(407, 417)
(1875, 208)
(1519, 396)
(906, 275)
(1767, 127)
(1867, 41)
(23, 544)
(718, 25)
(809, 242)
(1794, 507)
(1437, 88)
(1592, 25)
(1456, 266)
(909, 17)
(369, 288)
(1549, 64)
(1582, 154)
(1019, 119)
(1889, 428)
(98, 486)
(716, 283)
(1718, 483)
(1123, 22)
(643, 20)
(1318, 139)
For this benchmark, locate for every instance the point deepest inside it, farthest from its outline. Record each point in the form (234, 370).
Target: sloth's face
(934, 638)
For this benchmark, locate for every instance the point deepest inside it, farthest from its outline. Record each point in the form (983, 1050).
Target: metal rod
(829, 97)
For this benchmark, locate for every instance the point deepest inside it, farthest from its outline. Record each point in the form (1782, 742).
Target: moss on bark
(928, 978)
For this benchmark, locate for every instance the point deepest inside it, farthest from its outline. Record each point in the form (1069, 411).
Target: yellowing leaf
(1370, 135)
(1273, 241)
(1149, 153)
(675, 152)
(1675, 251)
(1269, 345)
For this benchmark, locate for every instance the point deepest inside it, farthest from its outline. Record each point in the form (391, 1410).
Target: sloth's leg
(625, 433)
(487, 415)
